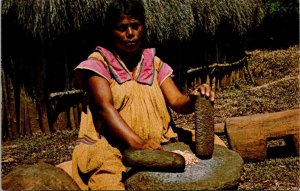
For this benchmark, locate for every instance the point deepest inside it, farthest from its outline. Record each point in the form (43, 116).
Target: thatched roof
(169, 19)
(47, 19)
(240, 15)
(166, 19)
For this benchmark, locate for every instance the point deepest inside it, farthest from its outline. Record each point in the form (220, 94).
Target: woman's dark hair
(118, 8)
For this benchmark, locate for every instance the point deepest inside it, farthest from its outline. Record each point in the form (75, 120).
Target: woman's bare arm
(181, 103)
(102, 97)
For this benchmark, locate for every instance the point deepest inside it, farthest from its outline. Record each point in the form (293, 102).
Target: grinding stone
(154, 160)
(222, 171)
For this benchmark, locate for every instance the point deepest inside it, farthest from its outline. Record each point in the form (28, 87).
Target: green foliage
(281, 7)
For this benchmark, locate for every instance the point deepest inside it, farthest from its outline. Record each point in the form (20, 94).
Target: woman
(129, 89)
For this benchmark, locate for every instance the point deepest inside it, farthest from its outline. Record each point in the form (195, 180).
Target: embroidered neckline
(136, 70)
(144, 71)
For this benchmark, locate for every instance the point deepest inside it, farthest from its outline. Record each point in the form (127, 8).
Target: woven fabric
(98, 166)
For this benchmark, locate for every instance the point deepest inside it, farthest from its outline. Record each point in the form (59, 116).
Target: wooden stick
(217, 65)
(249, 72)
(72, 118)
(64, 93)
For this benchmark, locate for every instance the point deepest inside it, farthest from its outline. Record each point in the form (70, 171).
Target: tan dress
(97, 161)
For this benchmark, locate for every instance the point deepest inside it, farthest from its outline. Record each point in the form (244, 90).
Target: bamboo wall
(218, 75)
(24, 115)
(30, 71)
(36, 79)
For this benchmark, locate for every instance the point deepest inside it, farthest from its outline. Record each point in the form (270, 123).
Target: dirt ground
(275, 88)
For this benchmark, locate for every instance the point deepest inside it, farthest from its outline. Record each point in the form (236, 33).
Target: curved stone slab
(222, 171)
(40, 176)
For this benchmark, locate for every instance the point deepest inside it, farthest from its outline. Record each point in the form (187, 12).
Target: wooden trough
(248, 135)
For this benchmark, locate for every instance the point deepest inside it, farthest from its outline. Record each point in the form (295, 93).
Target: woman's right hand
(147, 144)
(103, 103)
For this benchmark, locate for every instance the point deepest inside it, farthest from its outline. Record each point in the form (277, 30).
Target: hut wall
(30, 75)
(30, 71)
(225, 51)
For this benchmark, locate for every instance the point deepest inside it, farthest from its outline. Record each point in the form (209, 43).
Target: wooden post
(61, 122)
(41, 75)
(23, 125)
(76, 116)
(249, 72)
(72, 118)
(33, 115)
(8, 93)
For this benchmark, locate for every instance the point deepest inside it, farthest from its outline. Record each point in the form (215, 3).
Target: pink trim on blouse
(118, 72)
(146, 74)
(116, 68)
(95, 66)
(164, 72)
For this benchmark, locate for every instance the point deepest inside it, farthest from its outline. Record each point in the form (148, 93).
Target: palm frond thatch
(94, 11)
(169, 19)
(241, 15)
(176, 19)
(47, 19)
(41, 18)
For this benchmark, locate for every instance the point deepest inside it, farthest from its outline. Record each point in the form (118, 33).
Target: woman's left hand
(204, 90)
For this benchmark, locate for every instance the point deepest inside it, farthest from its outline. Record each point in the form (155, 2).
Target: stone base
(221, 172)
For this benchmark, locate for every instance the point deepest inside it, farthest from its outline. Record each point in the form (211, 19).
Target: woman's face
(128, 33)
